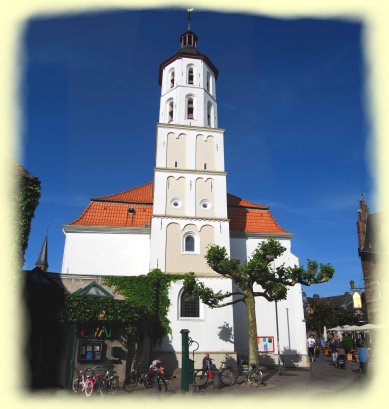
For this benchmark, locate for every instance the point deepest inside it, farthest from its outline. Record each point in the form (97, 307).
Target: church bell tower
(190, 196)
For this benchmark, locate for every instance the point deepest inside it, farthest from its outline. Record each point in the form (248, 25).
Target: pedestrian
(207, 363)
(363, 358)
(334, 346)
(311, 347)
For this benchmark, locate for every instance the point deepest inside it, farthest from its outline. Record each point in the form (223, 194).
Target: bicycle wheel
(114, 384)
(77, 385)
(147, 380)
(200, 378)
(227, 376)
(161, 385)
(130, 382)
(254, 378)
(89, 388)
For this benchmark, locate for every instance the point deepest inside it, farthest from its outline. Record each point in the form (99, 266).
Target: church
(169, 223)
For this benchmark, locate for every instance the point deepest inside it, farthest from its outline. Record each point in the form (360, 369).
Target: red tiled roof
(112, 211)
(139, 194)
(114, 215)
(253, 221)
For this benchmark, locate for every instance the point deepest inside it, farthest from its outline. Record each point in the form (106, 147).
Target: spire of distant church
(42, 259)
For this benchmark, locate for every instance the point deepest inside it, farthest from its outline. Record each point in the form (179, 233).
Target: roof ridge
(102, 198)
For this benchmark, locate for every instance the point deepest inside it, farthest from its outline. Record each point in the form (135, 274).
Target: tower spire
(189, 16)
(42, 259)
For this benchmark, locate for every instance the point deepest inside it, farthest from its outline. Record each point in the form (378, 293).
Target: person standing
(334, 346)
(311, 347)
(363, 358)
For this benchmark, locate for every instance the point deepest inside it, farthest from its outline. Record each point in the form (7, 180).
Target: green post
(185, 360)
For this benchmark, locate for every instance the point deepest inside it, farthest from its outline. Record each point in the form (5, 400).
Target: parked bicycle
(252, 377)
(83, 383)
(159, 380)
(225, 373)
(135, 376)
(107, 382)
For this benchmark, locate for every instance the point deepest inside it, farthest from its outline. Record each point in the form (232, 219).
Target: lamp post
(278, 340)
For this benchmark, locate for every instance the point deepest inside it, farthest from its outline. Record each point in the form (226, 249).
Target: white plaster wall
(161, 201)
(181, 89)
(106, 254)
(292, 332)
(158, 236)
(209, 330)
(190, 135)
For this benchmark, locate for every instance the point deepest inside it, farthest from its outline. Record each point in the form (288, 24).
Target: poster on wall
(265, 343)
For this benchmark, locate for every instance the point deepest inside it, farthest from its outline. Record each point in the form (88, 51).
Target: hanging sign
(265, 343)
(357, 300)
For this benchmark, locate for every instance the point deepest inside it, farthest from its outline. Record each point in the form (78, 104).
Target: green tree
(323, 312)
(273, 282)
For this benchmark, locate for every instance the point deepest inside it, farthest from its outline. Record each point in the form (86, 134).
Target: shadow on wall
(291, 357)
(165, 351)
(225, 333)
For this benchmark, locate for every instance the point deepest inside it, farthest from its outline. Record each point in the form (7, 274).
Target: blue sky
(291, 96)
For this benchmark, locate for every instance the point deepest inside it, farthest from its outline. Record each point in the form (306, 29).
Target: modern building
(169, 223)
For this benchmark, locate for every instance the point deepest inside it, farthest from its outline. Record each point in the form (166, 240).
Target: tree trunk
(252, 327)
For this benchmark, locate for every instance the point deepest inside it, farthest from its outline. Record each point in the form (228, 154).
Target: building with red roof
(170, 223)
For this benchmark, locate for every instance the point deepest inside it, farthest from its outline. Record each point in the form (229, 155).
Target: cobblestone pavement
(321, 377)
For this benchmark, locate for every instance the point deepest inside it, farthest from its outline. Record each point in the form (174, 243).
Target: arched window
(170, 110)
(190, 108)
(189, 243)
(189, 307)
(190, 75)
(208, 81)
(209, 114)
(171, 79)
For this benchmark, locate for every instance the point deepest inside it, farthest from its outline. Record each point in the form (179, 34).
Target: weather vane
(189, 11)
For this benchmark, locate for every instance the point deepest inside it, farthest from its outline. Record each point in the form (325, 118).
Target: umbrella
(338, 328)
(368, 327)
(325, 332)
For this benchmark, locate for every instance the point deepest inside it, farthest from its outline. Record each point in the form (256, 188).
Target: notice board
(265, 343)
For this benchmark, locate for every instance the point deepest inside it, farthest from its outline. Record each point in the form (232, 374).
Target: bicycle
(107, 383)
(225, 374)
(252, 377)
(83, 383)
(159, 381)
(136, 376)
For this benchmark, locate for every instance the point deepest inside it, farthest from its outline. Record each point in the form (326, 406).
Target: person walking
(311, 347)
(363, 358)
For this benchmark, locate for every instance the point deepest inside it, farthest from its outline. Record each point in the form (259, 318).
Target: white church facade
(170, 222)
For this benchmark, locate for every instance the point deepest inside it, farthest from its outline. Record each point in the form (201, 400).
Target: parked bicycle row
(226, 375)
(103, 380)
